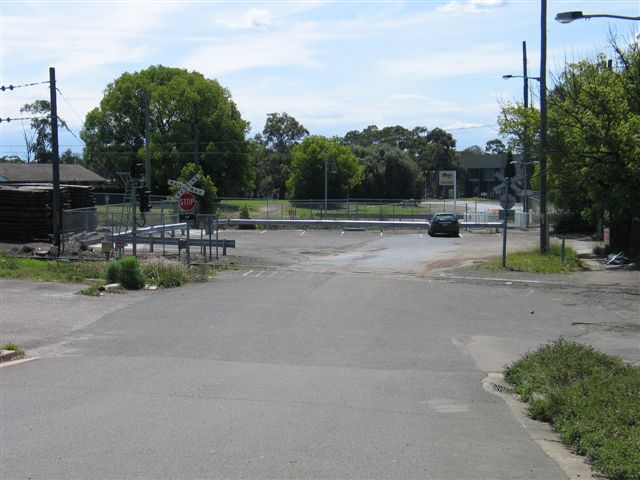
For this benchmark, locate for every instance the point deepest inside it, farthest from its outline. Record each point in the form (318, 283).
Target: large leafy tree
(593, 125)
(594, 147)
(273, 151)
(191, 119)
(389, 172)
(307, 176)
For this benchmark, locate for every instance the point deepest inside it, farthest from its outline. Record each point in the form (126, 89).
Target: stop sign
(187, 202)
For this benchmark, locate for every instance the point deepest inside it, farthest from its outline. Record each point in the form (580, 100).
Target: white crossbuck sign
(186, 187)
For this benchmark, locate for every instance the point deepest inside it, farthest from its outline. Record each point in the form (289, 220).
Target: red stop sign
(187, 202)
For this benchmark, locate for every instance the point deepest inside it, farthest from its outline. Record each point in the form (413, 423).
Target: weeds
(592, 399)
(14, 347)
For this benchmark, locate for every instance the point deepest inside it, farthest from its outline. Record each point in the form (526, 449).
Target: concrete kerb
(8, 355)
(574, 466)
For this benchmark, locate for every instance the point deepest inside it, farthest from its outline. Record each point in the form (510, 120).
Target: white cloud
(471, 6)
(254, 18)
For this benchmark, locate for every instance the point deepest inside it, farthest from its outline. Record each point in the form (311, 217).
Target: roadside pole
(504, 230)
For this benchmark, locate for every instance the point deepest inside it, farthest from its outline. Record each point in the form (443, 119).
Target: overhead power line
(9, 119)
(13, 87)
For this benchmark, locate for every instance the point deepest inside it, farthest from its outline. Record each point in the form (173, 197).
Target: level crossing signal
(145, 204)
(137, 169)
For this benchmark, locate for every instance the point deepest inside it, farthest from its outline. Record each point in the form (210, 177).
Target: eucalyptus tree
(311, 157)
(188, 118)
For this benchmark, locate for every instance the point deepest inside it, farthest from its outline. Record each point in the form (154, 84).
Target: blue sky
(333, 65)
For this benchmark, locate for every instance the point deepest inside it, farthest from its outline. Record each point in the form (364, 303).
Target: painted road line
(247, 273)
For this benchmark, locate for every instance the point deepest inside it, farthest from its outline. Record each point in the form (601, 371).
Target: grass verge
(160, 272)
(592, 399)
(536, 262)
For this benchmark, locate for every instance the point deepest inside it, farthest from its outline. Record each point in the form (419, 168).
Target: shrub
(130, 274)
(243, 212)
(127, 272)
(111, 273)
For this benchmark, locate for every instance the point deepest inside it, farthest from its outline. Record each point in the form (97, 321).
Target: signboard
(186, 217)
(187, 202)
(446, 177)
(186, 187)
(507, 201)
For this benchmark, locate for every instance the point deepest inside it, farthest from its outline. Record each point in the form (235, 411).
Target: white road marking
(247, 273)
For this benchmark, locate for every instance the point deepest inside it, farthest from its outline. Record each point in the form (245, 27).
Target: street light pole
(544, 226)
(325, 184)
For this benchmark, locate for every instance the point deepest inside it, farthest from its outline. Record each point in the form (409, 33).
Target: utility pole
(55, 162)
(525, 149)
(325, 184)
(147, 148)
(544, 226)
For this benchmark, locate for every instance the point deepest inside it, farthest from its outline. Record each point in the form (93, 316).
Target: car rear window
(444, 218)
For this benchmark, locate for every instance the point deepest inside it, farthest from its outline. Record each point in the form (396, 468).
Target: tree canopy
(593, 141)
(272, 152)
(344, 172)
(191, 119)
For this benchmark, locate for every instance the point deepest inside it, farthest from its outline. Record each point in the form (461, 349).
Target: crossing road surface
(288, 372)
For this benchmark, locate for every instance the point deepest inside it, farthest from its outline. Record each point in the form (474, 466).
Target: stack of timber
(26, 211)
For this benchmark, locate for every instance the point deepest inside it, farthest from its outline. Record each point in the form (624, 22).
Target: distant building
(480, 172)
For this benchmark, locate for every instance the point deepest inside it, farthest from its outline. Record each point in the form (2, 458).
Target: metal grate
(501, 388)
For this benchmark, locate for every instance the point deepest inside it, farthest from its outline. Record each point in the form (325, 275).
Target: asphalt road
(305, 368)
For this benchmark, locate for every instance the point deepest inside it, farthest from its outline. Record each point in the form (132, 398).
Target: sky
(335, 66)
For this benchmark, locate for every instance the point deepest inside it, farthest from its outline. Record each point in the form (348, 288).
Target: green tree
(307, 175)
(595, 148)
(388, 173)
(191, 119)
(593, 145)
(39, 143)
(495, 147)
(280, 134)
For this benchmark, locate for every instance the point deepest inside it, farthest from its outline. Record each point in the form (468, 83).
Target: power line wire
(13, 87)
(9, 119)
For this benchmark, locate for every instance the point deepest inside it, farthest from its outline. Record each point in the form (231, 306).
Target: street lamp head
(507, 77)
(568, 17)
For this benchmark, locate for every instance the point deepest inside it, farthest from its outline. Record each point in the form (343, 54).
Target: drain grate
(501, 388)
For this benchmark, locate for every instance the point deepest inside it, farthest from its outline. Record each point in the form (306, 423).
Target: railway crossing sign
(508, 185)
(186, 187)
(185, 197)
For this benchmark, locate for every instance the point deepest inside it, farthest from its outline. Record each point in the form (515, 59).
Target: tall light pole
(525, 147)
(544, 226)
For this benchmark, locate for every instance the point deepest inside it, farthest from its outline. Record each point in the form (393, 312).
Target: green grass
(14, 347)
(163, 273)
(534, 261)
(48, 270)
(592, 399)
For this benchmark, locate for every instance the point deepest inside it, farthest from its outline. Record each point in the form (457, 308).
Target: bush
(111, 273)
(165, 273)
(127, 272)
(592, 399)
(572, 222)
(243, 212)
